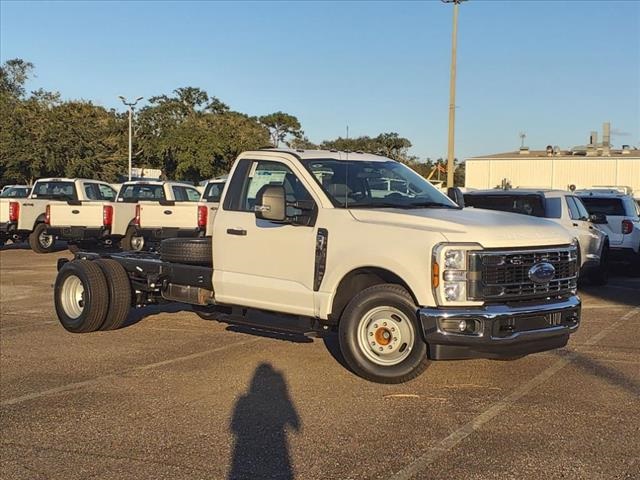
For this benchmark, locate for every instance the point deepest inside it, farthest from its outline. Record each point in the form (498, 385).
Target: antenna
(346, 175)
(522, 136)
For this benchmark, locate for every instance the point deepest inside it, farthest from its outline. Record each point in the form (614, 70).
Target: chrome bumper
(502, 331)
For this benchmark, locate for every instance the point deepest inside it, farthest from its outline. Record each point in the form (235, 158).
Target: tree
(389, 145)
(14, 74)
(281, 125)
(303, 143)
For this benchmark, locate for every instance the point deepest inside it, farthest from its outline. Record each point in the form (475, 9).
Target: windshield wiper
(431, 204)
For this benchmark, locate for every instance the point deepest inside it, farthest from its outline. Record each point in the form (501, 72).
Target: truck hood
(489, 228)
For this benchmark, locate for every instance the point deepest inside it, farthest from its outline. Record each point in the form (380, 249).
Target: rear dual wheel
(92, 295)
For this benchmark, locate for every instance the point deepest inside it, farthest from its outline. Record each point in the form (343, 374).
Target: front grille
(504, 275)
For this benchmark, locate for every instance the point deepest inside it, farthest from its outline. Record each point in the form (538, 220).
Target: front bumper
(504, 331)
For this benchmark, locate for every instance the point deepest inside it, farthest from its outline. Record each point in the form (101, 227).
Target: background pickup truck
(85, 218)
(404, 276)
(9, 207)
(209, 204)
(31, 215)
(146, 212)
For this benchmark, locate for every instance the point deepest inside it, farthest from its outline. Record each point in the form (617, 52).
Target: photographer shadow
(259, 424)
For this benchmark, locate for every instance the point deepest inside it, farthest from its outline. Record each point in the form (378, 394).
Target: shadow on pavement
(259, 424)
(610, 375)
(138, 314)
(59, 246)
(332, 344)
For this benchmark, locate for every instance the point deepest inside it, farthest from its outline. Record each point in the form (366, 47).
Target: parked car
(404, 277)
(209, 203)
(15, 191)
(561, 207)
(622, 225)
(149, 211)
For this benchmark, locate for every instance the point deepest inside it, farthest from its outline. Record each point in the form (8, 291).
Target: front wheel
(40, 241)
(380, 336)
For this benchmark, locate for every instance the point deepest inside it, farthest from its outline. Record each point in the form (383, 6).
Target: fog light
(469, 326)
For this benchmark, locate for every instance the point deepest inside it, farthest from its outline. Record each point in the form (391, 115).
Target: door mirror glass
(271, 203)
(455, 194)
(598, 218)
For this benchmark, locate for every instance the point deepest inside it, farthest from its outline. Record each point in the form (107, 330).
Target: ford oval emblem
(542, 272)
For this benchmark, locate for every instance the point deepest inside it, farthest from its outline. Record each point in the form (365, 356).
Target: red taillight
(202, 216)
(627, 227)
(14, 211)
(47, 215)
(107, 215)
(136, 220)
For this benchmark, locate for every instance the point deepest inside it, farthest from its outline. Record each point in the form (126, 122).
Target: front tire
(380, 336)
(600, 275)
(40, 241)
(81, 297)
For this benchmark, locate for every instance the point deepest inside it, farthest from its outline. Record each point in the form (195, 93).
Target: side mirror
(455, 194)
(598, 218)
(271, 203)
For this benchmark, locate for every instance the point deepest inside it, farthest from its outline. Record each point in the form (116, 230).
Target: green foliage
(390, 145)
(282, 126)
(188, 134)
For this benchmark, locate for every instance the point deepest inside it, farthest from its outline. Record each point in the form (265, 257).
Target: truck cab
(404, 275)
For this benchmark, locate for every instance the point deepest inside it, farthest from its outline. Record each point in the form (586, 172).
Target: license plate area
(506, 327)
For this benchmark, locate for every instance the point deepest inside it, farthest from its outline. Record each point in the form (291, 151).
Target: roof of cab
(156, 182)
(325, 154)
(547, 192)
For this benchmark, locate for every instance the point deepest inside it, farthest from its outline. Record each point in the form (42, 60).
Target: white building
(596, 164)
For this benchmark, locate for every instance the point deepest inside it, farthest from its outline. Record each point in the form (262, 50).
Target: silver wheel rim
(137, 243)
(45, 240)
(72, 296)
(386, 336)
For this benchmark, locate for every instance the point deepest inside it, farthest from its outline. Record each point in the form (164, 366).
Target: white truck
(146, 212)
(209, 203)
(71, 201)
(404, 277)
(9, 208)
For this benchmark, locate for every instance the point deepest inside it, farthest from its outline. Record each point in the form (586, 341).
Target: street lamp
(452, 93)
(130, 105)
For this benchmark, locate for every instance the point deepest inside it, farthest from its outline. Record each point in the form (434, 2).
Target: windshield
(524, 204)
(15, 192)
(132, 192)
(386, 184)
(55, 190)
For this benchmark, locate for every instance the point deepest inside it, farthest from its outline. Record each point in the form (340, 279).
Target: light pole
(130, 105)
(452, 93)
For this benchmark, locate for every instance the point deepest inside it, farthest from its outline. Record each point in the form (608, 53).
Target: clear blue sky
(555, 70)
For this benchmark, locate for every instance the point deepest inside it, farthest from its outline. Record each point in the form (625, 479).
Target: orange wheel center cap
(383, 336)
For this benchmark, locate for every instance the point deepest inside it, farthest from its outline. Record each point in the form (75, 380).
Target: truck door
(259, 263)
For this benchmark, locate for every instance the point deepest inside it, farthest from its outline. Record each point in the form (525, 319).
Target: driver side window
(263, 173)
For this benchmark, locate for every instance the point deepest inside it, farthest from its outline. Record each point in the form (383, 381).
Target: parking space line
(476, 423)
(94, 381)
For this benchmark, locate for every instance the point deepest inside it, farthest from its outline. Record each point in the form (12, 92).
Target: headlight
(450, 271)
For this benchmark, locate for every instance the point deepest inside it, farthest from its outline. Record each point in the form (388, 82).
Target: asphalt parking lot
(172, 396)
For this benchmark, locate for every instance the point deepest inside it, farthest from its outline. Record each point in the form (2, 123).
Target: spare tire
(192, 251)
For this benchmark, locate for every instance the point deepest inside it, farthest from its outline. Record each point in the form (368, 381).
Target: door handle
(575, 224)
(236, 231)
(168, 212)
(75, 211)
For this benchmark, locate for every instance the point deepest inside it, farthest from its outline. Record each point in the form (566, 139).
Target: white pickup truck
(72, 203)
(149, 211)
(9, 208)
(209, 204)
(404, 277)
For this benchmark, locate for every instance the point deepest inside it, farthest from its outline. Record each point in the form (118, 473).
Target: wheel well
(356, 281)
